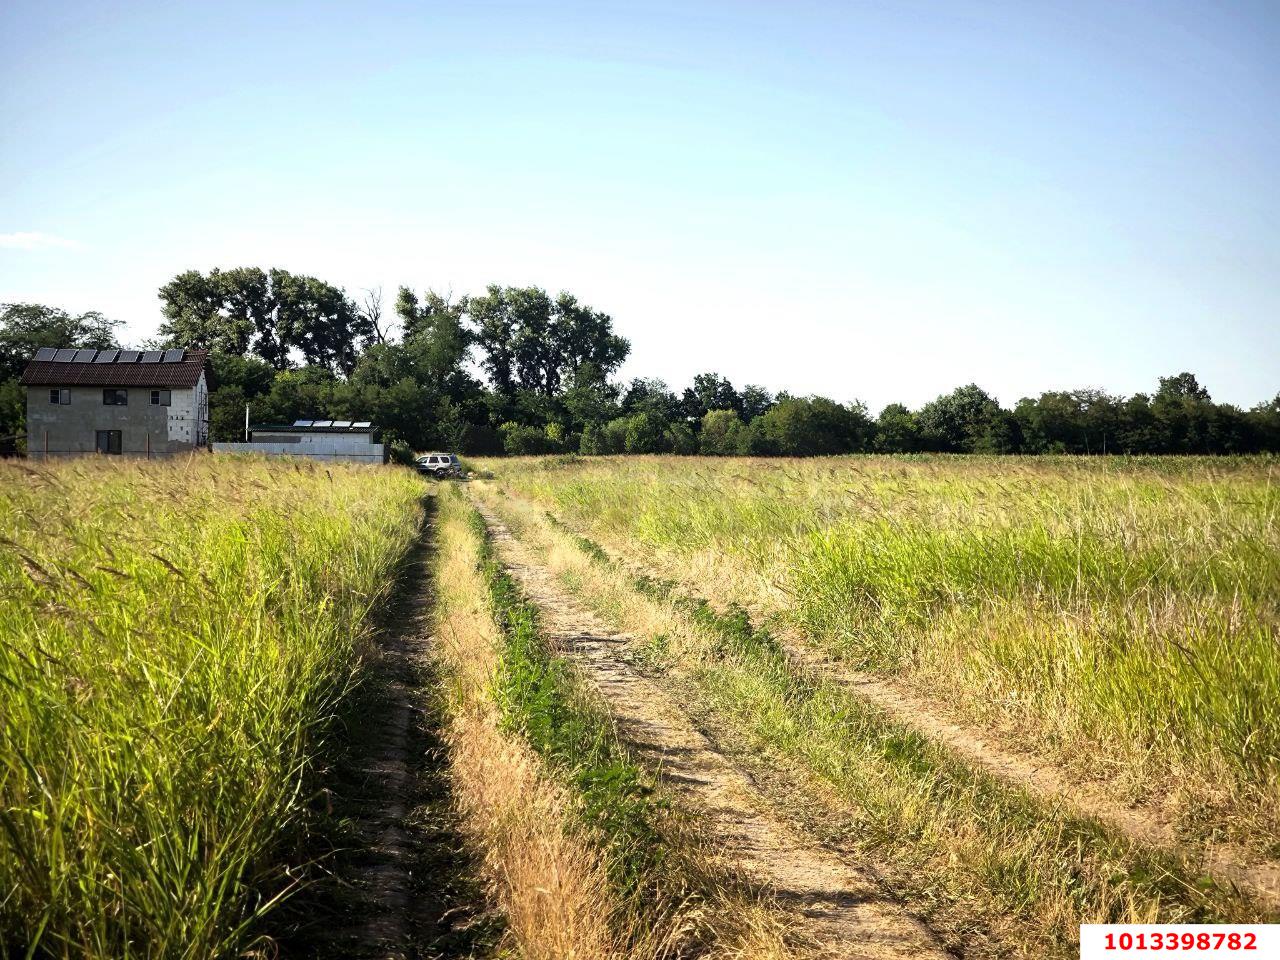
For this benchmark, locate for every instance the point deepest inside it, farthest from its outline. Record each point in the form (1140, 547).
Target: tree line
(516, 370)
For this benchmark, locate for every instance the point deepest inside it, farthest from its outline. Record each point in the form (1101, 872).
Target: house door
(108, 441)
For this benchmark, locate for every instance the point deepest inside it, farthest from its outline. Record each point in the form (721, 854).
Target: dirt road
(829, 902)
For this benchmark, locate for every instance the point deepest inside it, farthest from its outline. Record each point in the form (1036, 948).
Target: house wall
(318, 447)
(188, 414)
(352, 441)
(68, 429)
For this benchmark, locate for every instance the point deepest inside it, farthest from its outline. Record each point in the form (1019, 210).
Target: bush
(520, 439)
(399, 452)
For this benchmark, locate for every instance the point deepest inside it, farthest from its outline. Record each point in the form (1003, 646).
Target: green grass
(1000, 872)
(173, 637)
(540, 698)
(1119, 615)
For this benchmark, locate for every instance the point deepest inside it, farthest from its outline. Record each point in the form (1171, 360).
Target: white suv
(439, 465)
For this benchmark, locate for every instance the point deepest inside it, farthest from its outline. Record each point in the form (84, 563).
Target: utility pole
(246, 423)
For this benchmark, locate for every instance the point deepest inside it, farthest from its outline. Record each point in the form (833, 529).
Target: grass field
(173, 637)
(585, 855)
(1121, 616)
(1036, 692)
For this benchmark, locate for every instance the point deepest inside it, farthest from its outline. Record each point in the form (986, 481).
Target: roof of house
(315, 426)
(114, 368)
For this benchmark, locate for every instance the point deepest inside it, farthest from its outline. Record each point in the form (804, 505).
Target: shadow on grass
(387, 874)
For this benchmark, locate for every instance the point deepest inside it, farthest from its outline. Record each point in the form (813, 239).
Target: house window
(60, 395)
(115, 398)
(108, 441)
(161, 398)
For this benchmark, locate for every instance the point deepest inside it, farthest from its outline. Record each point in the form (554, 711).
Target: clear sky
(874, 200)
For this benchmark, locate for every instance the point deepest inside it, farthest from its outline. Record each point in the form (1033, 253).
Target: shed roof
(115, 368)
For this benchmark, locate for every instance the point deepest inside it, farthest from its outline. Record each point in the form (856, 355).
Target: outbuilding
(355, 441)
(141, 403)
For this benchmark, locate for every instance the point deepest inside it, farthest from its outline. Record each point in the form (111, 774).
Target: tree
(589, 399)
(1265, 420)
(493, 327)
(13, 408)
(1183, 410)
(219, 312)
(26, 327)
(680, 439)
(520, 439)
(651, 396)
(813, 426)
(1182, 385)
(370, 308)
(1138, 432)
(755, 402)
(723, 434)
(710, 391)
(236, 381)
(1075, 421)
(305, 393)
(964, 421)
(528, 341)
(896, 430)
(271, 313)
(645, 432)
(585, 338)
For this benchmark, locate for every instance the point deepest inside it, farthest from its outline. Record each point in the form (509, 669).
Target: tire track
(1039, 776)
(833, 905)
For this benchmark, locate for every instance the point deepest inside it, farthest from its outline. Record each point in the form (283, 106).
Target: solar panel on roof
(85, 356)
(46, 353)
(302, 423)
(129, 356)
(152, 356)
(173, 356)
(363, 423)
(65, 356)
(107, 356)
(323, 423)
(342, 423)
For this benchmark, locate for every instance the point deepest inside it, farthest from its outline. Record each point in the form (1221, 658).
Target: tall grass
(997, 871)
(588, 856)
(1121, 615)
(172, 637)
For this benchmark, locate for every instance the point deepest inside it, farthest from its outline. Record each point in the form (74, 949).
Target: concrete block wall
(316, 449)
(70, 429)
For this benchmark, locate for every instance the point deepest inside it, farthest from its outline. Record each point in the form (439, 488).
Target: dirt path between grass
(398, 884)
(832, 904)
(1038, 776)
(1043, 779)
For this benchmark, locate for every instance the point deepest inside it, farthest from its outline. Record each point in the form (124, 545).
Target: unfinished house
(118, 402)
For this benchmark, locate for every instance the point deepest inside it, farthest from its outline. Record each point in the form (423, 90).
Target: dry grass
(546, 879)
(547, 869)
(1000, 873)
(1119, 616)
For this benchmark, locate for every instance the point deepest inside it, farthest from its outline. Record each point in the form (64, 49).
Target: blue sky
(865, 200)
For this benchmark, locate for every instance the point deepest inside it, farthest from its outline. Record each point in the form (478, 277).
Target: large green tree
(270, 313)
(967, 420)
(24, 329)
(532, 342)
